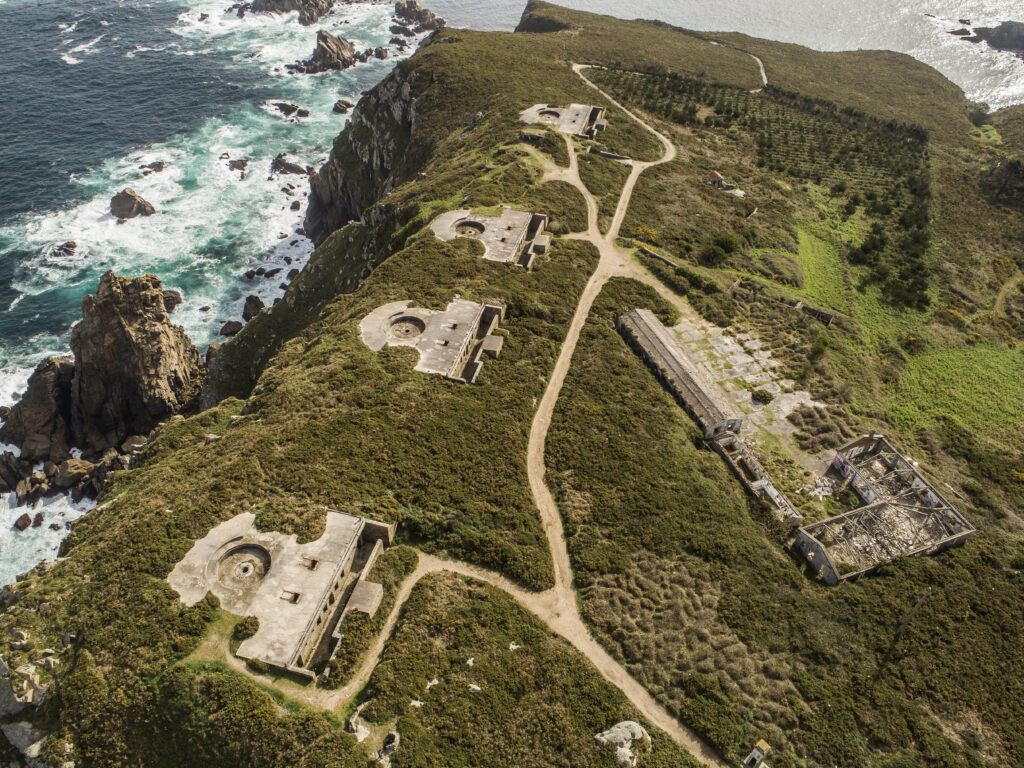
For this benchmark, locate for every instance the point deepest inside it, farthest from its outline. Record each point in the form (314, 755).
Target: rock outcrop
(421, 19)
(131, 369)
(310, 11)
(132, 366)
(332, 53)
(1008, 36)
(127, 204)
(40, 423)
(253, 306)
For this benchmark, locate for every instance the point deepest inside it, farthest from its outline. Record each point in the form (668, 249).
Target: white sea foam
(67, 29)
(22, 550)
(85, 49)
(210, 226)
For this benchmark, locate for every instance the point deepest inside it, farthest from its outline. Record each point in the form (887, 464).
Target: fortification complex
(451, 343)
(583, 120)
(512, 237)
(903, 514)
(298, 592)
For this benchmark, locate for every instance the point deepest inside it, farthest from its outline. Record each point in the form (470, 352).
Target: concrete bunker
(451, 343)
(299, 592)
(903, 514)
(512, 237)
(583, 120)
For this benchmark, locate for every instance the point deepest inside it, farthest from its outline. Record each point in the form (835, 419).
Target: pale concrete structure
(296, 590)
(451, 343)
(512, 237)
(583, 120)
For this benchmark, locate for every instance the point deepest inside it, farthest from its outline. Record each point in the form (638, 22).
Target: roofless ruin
(902, 515)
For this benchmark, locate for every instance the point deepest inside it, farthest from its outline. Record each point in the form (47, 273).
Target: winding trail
(557, 606)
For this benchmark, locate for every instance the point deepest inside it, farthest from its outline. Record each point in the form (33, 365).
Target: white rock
(432, 683)
(513, 646)
(473, 688)
(416, 703)
(470, 660)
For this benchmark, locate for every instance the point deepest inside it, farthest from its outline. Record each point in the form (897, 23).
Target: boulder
(281, 165)
(380, 53)
(40, 423)
(172, 300)
(410, 12)
(23, 522)
(296, 205)
(154, 167)
(133, 367)
(230, 328)
(332, 52)
(65, 249)
(127, 204)
(288, 110)
(132, 442)
(37, 520)
(72, 471)
(253, 306)
(310, 11)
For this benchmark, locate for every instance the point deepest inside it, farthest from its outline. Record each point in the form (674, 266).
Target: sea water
(94, 89)
(917, 27)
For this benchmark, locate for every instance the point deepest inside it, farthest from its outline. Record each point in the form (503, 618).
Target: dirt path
(557, 606)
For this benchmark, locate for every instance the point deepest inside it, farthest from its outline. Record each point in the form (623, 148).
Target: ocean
(96, 89)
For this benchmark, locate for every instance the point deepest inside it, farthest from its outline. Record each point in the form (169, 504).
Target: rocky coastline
(86, 415)
(1008, 36)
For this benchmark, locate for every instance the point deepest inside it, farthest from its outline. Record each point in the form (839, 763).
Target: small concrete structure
(757, 755)
(903, 515)
(702, 398)
(297, 591)
(717, 180)
(753, 476)
(451, 343)
(513, 237)
(583, 120)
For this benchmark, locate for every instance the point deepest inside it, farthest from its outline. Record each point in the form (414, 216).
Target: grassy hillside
(866, 195)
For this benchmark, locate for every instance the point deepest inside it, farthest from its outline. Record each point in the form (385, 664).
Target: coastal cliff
(378, 150)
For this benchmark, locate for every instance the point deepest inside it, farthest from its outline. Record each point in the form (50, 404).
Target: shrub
(727, 243)
(762, 396)
(246, 628)
(713, 255)
(1018, 562)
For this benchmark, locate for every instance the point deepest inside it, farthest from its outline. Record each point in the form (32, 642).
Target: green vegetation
(681, 583)
(605, 179)
(539, 705)
(246, 628)
(881, 167)
(357, 629)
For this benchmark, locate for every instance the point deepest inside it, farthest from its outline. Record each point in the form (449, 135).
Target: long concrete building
(702, 397)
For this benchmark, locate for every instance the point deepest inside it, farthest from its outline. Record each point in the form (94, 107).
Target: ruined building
(583, 120)
(451, 343)
(299, 592)
(513, 237)
(903, 514)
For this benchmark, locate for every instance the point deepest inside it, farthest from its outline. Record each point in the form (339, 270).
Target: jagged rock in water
(380, 53)
(410, 12)
(281, 165)
(40, 423)
(332, 52)
(133, 367)
(23, 522)
(342, 106)
(1008, 36)
(310, 11)
(65, 249)
(253, 306)
(172, 300)
(127, 204)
